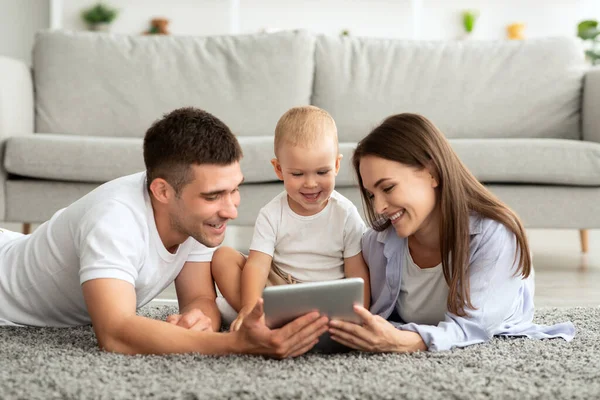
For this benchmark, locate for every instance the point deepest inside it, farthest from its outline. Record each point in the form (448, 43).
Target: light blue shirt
(503, 302)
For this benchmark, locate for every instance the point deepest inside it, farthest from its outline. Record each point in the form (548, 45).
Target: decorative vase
(516, 31)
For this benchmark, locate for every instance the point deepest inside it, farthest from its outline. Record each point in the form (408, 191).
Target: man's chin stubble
(200, 238)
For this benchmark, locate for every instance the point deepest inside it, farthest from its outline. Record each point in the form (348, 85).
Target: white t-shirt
(423, 293)
(310, 248)
(109, 233)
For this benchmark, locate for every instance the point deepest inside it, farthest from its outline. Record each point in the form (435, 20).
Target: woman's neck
(424, 245)
(428, 235)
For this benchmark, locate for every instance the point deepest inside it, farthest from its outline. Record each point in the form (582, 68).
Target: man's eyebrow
(379, 182)
(217, 192)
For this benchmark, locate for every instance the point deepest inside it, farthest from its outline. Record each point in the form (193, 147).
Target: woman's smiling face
(405, 195)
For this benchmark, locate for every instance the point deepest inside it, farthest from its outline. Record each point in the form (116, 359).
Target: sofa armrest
(591, 105)
(16, 111)
(16, 98)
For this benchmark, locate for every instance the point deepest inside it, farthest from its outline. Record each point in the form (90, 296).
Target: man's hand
(293, 339)
(194, 320)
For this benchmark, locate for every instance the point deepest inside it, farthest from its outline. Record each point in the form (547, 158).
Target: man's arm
(111, 305)
(196, 290)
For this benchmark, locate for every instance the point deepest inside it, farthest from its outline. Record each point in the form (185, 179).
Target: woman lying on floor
(450, 265)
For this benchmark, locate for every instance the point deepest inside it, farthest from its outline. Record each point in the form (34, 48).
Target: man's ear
(277, 168)
(338, 163)
(161, 190)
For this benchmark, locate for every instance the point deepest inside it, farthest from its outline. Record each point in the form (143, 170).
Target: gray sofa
(523, 116)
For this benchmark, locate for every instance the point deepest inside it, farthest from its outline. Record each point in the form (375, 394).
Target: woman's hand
(375, 334)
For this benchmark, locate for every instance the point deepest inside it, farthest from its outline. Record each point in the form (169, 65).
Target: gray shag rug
(50, 363)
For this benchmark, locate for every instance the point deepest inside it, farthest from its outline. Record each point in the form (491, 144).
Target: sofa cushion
(94, 159)
(37, 200)
(73, 158)
(116, 85)
(469, 89)
(100, 159)
(538, 161)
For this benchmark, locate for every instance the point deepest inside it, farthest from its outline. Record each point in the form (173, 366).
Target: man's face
(204, 205)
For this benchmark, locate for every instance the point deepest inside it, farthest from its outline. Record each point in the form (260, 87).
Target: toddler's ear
(277, 168)
(337, 163)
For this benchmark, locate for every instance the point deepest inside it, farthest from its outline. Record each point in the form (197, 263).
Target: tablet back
(332, 298)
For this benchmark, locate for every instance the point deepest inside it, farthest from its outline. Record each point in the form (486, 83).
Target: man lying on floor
(118, 247)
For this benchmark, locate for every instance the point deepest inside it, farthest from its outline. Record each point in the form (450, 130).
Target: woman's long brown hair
(413, 140)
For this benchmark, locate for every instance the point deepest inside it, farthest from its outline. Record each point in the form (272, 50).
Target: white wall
(19, 20)
(439, 19)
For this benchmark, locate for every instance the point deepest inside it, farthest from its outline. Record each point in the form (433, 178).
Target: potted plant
(589, 32)
(469, 18)
(99, 17)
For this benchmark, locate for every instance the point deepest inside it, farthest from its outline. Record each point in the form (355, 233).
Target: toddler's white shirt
(310, 248)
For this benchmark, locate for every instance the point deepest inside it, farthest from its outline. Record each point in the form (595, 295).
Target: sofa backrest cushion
(117, 85)
(469, 89)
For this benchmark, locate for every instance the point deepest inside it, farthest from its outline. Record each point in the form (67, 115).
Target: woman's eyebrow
(379, 182)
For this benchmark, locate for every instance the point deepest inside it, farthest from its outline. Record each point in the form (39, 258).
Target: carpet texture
(48, 363)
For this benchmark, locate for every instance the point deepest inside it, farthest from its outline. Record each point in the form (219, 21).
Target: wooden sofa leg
(26, 228)
(584, 237)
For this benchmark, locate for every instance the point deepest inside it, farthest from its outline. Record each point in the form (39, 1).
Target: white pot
(101, 27)
(467, 36)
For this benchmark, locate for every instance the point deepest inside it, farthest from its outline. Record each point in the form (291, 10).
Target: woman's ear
(433, 175)
(277, 168)
(434, 181)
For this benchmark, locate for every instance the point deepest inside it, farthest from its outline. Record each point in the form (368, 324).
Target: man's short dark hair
(185, 137)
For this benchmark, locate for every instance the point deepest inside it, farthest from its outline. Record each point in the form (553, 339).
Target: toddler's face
(308, 174)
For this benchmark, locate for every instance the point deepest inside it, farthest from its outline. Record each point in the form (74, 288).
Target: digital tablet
(284, 303)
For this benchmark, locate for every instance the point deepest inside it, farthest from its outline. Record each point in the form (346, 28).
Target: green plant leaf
(588, 29)
(100, 13)
(469, 19)
(594, 55)
(590, 34)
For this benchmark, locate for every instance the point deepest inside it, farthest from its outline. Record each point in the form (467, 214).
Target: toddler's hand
(237, 323)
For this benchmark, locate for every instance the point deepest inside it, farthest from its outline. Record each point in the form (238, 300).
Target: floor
(564, 277)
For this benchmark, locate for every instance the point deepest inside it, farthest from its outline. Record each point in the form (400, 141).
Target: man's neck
(169, 237)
